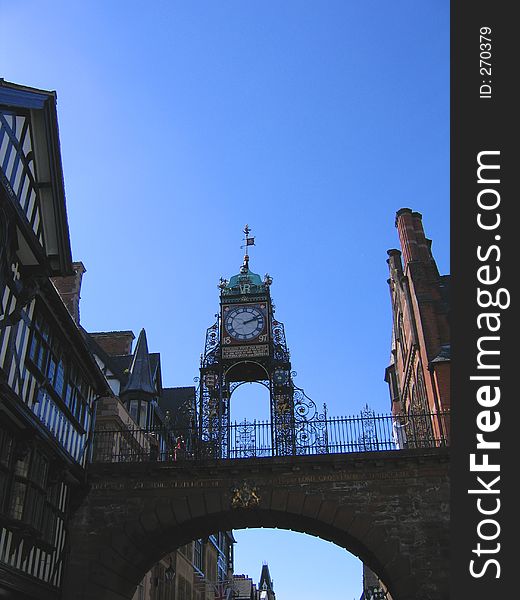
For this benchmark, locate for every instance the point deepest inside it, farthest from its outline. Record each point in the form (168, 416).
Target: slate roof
(444, 354)
(42, 104)
(265, 577)
(140, 372)
(119, 364)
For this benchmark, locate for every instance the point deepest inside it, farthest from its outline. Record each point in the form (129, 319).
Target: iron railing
(367, 432)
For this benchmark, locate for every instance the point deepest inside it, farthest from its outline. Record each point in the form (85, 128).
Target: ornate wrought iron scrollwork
(213, 406)
(310, 424)
(245, 441)
(305, 409)
(297, 426)
(213, 420)
(213, 417)
(367, 440)
(211, 346)
(311, 437)
(280, 350)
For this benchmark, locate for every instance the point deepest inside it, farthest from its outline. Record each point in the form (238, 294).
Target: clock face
(244, 322)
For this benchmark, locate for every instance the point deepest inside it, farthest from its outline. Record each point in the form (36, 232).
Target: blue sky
(313, 122)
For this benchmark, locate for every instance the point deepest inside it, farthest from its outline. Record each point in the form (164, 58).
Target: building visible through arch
(245, 589)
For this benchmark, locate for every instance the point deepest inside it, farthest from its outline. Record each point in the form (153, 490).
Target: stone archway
(389, 509)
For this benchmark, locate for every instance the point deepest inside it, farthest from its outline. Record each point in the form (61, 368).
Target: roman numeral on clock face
(244, 323)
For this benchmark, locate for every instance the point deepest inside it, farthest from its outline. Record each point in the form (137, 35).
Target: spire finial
(140, 378)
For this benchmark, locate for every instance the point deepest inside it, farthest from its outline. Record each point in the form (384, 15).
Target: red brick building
(419, 372)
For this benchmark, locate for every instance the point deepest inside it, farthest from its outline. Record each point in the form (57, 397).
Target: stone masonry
(391, 509)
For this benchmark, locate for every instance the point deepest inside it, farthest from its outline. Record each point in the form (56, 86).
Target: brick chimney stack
(419, 371)
(411, 235)
(395, 264)
(415, 245)
(423, 243)
(69, 289)
(114, 343)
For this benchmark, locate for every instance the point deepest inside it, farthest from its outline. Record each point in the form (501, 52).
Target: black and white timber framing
(48, 379)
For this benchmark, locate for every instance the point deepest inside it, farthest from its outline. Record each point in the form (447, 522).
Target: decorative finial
(249, 241)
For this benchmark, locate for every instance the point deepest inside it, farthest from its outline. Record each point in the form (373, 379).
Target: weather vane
(249, 241)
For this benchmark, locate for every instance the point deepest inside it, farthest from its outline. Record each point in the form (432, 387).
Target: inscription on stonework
(154, 485)
(338, 477)
(245, 351)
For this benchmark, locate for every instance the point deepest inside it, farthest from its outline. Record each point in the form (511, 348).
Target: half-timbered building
(49, 381)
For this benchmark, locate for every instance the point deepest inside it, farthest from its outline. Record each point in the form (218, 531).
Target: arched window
(400, 335)
(419, 417)
(422, 398)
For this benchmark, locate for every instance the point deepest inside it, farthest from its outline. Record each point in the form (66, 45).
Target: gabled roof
(25, 109)
(108, 360)
(120, 365)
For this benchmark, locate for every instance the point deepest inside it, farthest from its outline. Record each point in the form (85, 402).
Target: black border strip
(480, 124)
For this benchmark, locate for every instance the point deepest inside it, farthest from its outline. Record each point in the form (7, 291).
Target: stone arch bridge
(390, 508)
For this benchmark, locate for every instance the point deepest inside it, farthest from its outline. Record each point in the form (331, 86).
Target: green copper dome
(245, 276)
(245, 282)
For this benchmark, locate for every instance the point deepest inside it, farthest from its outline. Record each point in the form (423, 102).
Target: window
(76, 394)
(401, 338)
(19, 487)
(422, 426)
(28, 488)
(138, 410)
(198, 553)
(393, 383)
(51, 514)
(49, 357)
(28, 501)
(421, 389)
(6, 455)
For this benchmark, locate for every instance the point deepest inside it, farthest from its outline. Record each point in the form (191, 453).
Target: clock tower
(247, 344)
